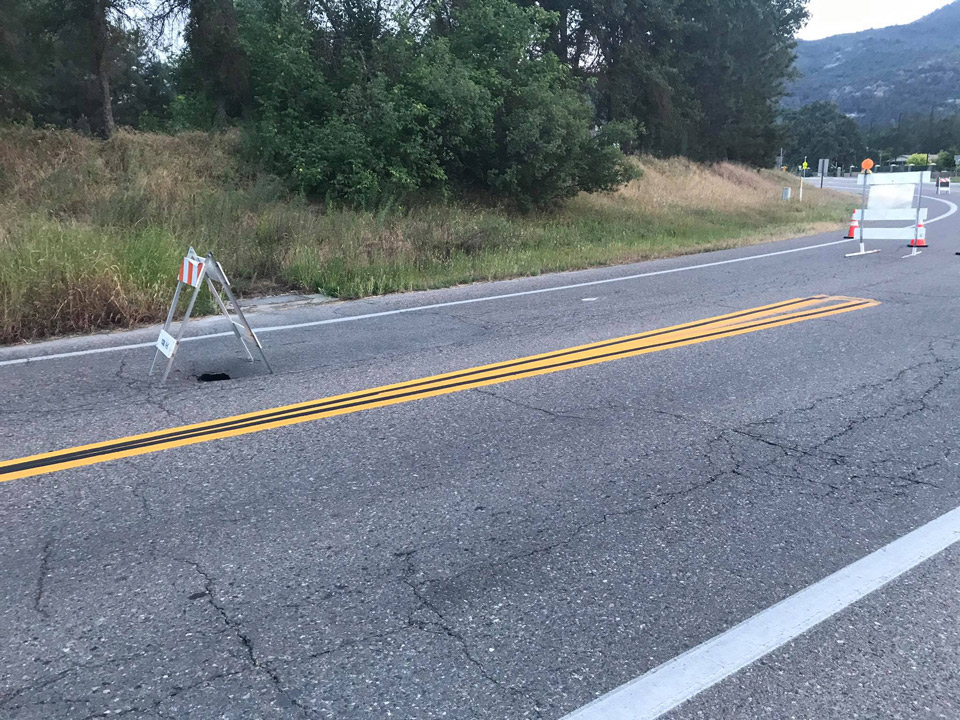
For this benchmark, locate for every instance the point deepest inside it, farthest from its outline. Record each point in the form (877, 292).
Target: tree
(69, 53)
(215, 63)
(97, 12)
(19, 58)
(220, 64)
(364, 98)
(628, 53)
(918, 160)
(697, 77)
(355, 108)
(916, 131)
(739, 56)
(89, 31)
(820, 130)
(945, 160)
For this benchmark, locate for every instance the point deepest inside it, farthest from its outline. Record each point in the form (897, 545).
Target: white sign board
(889, 197)
(166, 343)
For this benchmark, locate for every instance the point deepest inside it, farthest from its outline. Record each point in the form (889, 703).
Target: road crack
(246, 642)
(442, 626)
(527, 406)
(42, 579)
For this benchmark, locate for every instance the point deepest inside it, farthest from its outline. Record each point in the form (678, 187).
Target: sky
(833, 17)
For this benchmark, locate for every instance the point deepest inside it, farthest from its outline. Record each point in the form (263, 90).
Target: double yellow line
(722, 326)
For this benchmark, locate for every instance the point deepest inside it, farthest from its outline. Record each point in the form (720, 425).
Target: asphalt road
(508, 551)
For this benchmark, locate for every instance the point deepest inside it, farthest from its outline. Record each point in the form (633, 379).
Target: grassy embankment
(91, 233)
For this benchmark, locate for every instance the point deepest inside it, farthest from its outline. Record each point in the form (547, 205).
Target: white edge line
(540, 291)
(674, 682)
(419, 308)
(951, 211)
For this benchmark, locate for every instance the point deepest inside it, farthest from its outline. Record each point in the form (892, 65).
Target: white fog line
(951, 211)
(676, 681)
(541, 291)
(97, 351)
(434, 306)
(76, 353)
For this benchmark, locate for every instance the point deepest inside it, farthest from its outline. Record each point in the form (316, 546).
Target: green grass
(91, 233)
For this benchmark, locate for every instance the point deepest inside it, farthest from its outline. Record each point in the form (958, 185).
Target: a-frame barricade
(196, 272)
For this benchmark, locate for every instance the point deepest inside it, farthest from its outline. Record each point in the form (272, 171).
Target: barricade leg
(226, 314)
(243, 319)
(166, 325)
(183, 325)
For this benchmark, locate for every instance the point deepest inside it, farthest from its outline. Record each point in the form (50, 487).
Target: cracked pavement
(508, 552)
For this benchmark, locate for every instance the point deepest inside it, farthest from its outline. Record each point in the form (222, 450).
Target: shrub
(480, 109)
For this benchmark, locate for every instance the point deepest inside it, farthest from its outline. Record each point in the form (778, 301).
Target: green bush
(480, 109)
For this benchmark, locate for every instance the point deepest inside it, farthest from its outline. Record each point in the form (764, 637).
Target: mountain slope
(877, 74)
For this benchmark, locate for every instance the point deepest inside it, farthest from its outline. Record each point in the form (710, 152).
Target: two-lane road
(504, 501)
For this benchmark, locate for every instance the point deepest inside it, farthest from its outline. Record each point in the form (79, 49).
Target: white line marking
(76, 353)
(112, 348)
(676, 681)
(434, 306)
(951, 211)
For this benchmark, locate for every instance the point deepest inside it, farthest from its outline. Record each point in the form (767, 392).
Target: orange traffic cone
(854, 226)
(921, 239)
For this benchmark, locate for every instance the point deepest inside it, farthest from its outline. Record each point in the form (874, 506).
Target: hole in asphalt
(212, 377)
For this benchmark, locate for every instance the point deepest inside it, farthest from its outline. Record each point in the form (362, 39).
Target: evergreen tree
(820, 130)
(738, 57)
(215, 65)
(19, 58)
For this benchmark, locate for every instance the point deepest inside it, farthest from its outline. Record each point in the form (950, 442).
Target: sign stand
(916, 228)
(867, 164)
(194, 272)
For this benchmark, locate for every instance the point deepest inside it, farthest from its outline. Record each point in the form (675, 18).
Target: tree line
(355, 100)
(820, 130)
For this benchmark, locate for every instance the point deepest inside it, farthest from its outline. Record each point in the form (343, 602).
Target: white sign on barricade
(194, 272)
(889, 198)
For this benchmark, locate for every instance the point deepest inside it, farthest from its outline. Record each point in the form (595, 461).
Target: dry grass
(679, 185)
(91, 232)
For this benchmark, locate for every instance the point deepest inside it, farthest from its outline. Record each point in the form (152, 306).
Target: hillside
(878, 74)
(91, 232)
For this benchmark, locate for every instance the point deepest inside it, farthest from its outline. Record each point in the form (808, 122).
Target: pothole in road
(212, 377)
